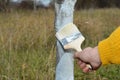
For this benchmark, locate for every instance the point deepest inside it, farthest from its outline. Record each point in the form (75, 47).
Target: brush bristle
(68, 33)
(67, 30)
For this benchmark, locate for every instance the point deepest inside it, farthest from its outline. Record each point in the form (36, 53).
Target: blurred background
(81, 4)
(28, 43)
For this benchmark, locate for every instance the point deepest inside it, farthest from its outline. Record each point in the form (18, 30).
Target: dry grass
(27, 43)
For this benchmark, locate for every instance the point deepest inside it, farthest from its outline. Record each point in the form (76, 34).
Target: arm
(107, 51)
(109, 48)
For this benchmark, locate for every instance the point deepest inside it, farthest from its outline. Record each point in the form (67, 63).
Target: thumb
(77, 55)
(80, 56)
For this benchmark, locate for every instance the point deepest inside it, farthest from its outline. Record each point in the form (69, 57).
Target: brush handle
(76, 45)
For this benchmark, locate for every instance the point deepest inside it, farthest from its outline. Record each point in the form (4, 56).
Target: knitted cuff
(109, 48)
(104, 51)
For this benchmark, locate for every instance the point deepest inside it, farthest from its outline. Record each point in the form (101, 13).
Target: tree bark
(65, 62)
(34, 5)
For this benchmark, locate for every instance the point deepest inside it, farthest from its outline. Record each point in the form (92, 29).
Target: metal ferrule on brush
(70, 38)
(68, 33)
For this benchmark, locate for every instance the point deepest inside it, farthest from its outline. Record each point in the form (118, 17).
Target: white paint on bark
(65, 62)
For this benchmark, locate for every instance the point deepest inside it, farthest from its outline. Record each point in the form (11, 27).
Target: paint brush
(71, 38)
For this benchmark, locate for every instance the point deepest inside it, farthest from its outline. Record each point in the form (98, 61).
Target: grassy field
(27, 43)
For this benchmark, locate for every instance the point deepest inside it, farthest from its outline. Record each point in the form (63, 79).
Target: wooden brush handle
(76, 45)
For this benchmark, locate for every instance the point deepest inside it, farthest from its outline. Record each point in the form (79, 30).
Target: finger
(77, 55)
(86, 69)
(79, 62)
(82, 65)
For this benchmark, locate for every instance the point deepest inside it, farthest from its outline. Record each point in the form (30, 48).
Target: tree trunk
(34, 5)
(65, 62)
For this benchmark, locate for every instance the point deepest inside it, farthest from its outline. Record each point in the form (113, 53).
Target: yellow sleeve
(109, 48)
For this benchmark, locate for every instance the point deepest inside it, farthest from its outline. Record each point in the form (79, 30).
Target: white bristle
(67, 30)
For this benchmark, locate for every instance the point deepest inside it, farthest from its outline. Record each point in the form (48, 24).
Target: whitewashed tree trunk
(65, 62)
(34, 5)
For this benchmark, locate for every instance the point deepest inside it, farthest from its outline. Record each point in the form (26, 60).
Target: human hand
(88, 56)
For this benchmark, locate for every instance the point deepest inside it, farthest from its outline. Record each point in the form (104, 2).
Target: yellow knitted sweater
(109, 48)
